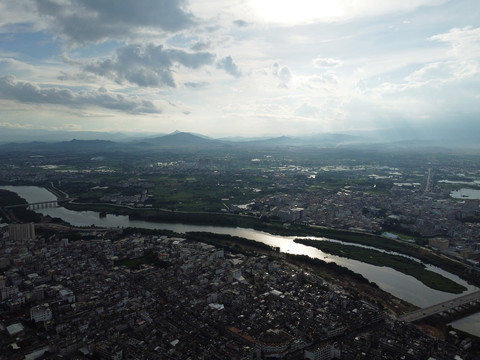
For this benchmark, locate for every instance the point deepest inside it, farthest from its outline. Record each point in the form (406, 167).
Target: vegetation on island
(400, 263)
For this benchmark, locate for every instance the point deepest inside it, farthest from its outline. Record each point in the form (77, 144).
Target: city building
(21, 231)
(439, 243)
(323, 351)
(41, 313)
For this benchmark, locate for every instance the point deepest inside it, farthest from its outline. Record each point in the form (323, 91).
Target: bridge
(39, 205)
(468, 299)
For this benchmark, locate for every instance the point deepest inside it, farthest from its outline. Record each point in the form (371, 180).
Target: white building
(41, 313)
(322, 351)
(67, 295)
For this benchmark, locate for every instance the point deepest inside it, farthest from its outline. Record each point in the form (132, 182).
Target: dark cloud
(229, 66)
(240, 23)
(25, 92)
(147, 65)
(93, 20)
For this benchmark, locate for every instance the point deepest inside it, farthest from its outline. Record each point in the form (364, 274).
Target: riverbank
(355, 283)
(278, 228)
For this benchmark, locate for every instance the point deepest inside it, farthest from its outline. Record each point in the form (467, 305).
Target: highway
(438, 308)
(429, 181)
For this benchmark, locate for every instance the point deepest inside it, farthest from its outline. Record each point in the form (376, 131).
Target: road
(438, 308)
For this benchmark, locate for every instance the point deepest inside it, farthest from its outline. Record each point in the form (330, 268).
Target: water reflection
(469, 324)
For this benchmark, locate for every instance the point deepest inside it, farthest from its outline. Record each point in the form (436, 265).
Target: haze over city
(249, 68)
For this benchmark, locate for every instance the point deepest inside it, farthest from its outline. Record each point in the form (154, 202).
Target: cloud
(307, 11)
(240, 23)
(201, 46)
(325, 79)
(15, 125)
(26, 92)
(82, 21)
(282, 72)
(465, 42)
(307, 111)
(17, 16)
(229, 66)
(9, 66)
(442, 72)
(196, 85)
(326, 62)
(147, 65)
(72, 127)
(462, 63)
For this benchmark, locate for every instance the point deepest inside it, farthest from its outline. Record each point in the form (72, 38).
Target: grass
(402, 236)
(392, 245)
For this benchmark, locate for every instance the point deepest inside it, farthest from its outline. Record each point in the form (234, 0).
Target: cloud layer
(25, 92)
(249, 67)
(81, 21)
(147, 65)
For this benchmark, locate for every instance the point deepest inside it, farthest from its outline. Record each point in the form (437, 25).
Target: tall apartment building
(21, 231)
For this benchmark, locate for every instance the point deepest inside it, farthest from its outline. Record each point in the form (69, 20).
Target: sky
(244, 67)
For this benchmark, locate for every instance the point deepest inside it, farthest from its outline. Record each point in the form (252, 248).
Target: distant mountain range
(9, 135)
(44, 141)
(95, 141)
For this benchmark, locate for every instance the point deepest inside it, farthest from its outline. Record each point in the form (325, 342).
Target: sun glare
(295, 12)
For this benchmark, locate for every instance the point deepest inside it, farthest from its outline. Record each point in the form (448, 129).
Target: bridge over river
(468, 299)
(39, 205)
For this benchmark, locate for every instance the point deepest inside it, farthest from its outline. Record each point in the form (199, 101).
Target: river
(398, 284)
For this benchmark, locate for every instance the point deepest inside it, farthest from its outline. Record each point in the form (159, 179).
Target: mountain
(274, 142)
(318, 140)
(75, 146)
(14, 135)
(185, 142)
(332, 138)
(180, 140)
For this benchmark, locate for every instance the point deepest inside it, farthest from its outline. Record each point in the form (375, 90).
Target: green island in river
(400, 263)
